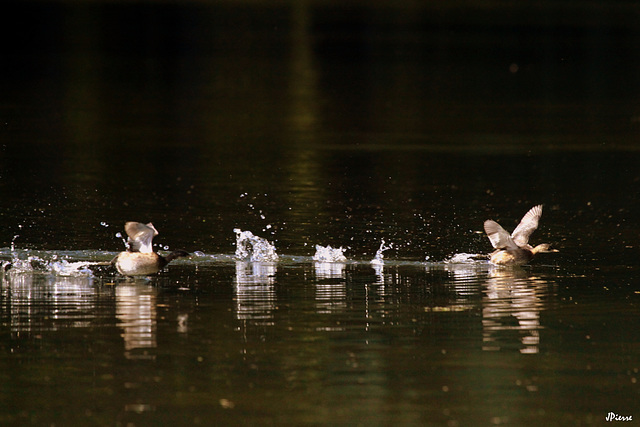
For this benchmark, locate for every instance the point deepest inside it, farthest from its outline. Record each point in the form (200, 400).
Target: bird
(139, 259)
(514, 249)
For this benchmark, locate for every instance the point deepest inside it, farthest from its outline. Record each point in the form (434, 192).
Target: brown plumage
(139, 259)
(514, 248)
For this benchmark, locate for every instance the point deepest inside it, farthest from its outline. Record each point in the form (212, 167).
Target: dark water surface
(319, 123)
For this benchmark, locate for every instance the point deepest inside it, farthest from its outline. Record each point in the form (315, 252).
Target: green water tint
(233, 339)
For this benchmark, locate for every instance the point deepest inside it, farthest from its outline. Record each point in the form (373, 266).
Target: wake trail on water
(249, 248)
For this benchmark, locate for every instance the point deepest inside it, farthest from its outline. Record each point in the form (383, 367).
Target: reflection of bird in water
(514, 249)
(139, 259)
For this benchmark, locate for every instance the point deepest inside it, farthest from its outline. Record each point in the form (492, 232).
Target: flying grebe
(514, 249)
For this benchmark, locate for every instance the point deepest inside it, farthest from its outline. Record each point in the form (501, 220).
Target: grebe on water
(139, 259)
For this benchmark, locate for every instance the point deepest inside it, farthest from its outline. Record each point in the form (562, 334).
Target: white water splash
(55, 266)
(463, 258)
(329, 254)
(379, 258)
(20, 265)
(13, 242)
(254, 248)
(73, 269)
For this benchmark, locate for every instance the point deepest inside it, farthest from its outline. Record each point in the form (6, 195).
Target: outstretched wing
(527, 226)
(499, 237)
(140, 236)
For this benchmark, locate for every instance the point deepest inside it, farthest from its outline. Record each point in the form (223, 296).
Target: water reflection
(465, 278)
(512, 302)
(375, 295)
(381, 278)
(37, 302)
(136, 312)
(329, 270)
(183, 323)
(331, 287)
(255, 293)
